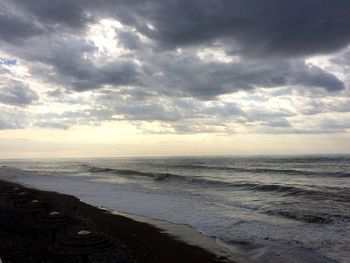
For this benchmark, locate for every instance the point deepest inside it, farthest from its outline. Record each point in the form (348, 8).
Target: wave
(156, 176)
(263, 170)
(308, 217)
(338, 194)
(286, 190)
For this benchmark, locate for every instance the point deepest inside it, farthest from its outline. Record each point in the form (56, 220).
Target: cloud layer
(191, 66)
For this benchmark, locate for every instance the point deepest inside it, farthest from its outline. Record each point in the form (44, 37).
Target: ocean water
(266, 208)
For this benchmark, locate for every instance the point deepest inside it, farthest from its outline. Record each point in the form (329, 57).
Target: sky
(108, 78)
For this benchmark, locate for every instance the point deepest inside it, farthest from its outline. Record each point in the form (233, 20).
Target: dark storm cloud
(310, 75)
(69, 63)
(20, 19)
(288, 28)
(68, 13)
(117, 74)
(14, 28)
(186, 75)
(17, 94)
(281, 27)
(129, 40)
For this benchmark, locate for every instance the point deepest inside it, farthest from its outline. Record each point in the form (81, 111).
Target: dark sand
(140, 241)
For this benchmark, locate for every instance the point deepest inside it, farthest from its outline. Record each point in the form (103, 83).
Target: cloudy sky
(173, 77)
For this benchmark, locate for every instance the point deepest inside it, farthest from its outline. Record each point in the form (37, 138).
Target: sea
(260, 207)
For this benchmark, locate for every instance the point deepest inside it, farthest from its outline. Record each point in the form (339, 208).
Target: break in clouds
(189, 66)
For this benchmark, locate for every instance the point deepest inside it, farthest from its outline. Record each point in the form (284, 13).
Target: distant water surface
(253, 205)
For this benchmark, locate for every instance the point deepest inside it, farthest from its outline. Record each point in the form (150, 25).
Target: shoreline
(186, 234)
(149, 240)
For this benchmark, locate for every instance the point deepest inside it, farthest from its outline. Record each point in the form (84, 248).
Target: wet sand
(141, 239)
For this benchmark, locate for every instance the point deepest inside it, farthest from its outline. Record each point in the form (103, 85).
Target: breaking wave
(285, 190)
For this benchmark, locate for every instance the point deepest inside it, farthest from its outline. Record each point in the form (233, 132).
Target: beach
(140, 242)
(237, 209)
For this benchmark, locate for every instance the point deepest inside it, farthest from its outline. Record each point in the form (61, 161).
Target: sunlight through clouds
(157, 69)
